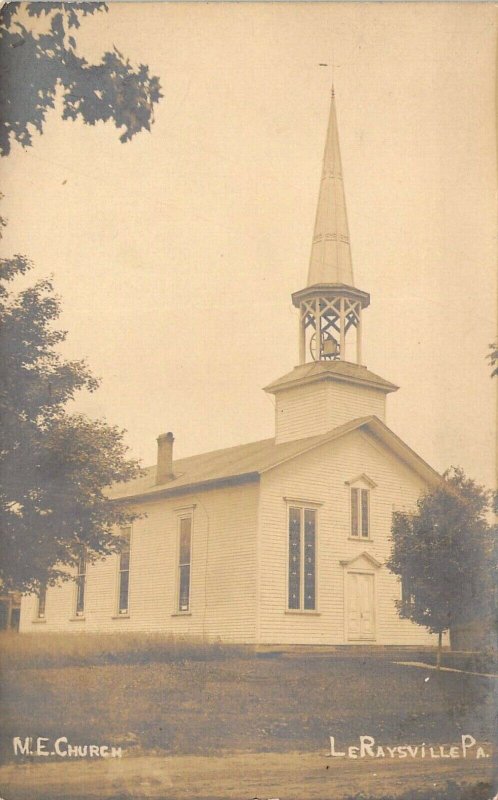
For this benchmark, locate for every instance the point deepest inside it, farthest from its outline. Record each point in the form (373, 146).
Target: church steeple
(330, 386)
(330, 260)
(330, 306)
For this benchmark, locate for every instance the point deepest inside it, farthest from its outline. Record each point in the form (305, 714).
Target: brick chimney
(165, 457)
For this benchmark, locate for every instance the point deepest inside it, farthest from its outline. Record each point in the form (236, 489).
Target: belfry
(330, 386)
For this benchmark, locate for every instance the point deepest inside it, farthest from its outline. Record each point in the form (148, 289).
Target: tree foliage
(54, 465)
(36, 65)
(446, 554)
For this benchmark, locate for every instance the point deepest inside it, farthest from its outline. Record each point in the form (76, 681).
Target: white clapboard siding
(223, 583)
(239, 557)
(301, 412)
(319, 477)
(317, 408)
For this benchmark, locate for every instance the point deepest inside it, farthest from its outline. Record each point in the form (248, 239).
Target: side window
(80, 586)
(406, 591)
(184, 561)
(41, 602)
(124, 572)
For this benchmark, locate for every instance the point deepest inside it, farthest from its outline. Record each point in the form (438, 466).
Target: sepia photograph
(248, 428)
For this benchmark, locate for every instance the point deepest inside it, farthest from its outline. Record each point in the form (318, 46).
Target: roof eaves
(403, 451)
(188, 488)
(281, 385)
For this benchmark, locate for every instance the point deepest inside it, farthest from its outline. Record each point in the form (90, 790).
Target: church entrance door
(360, 606)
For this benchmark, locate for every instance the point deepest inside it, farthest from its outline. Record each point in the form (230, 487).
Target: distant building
(282, 541)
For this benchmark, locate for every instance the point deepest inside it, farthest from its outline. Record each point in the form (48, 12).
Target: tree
(35, 66)
(445, 555)
(54, 465)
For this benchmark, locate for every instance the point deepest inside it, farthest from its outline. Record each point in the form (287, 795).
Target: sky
(175, 254)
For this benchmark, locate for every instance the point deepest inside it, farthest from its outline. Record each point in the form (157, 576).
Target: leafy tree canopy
(55, 466)
(445, 554)
(35, 66)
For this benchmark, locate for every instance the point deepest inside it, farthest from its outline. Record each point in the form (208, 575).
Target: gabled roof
(245, 463)
(331, 370)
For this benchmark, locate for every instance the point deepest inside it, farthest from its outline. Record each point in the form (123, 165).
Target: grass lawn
(198, 722)
(243, 704)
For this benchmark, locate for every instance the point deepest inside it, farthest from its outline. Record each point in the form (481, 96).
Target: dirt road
(236, 776)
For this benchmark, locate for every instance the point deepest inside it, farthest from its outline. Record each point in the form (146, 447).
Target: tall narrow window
(302, 559)
(309, 558)
(294, 558)
(184, 565)
(80, 586)
(354, 511)
(364, 513)
(406, 591)
(41, 602)
(124, 571)
(360, 513)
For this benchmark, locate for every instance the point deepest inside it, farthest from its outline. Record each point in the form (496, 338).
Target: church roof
(331, 370)
(330, 260)
(245, 463)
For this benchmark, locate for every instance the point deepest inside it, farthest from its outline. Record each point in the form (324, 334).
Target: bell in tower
(330, 322)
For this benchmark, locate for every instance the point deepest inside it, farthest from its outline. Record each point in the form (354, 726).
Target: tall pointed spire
(330, 386)
(330, 260)
(330, 306)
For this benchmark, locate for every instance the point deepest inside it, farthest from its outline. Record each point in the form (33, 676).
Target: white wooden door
(360, 616)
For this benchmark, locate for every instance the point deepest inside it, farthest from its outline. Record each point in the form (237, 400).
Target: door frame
(366, 564)
(347, 636)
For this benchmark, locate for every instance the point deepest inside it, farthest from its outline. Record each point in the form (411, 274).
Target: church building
(276, 542)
